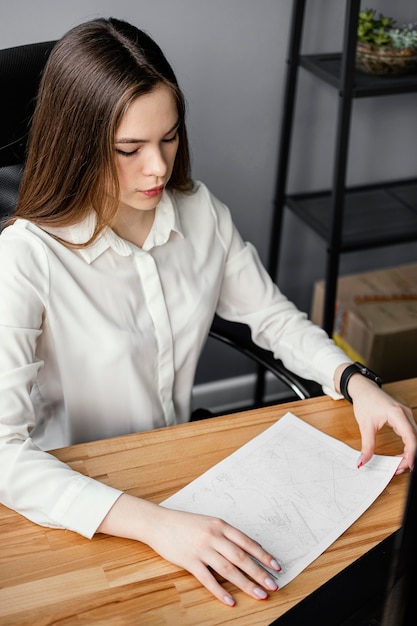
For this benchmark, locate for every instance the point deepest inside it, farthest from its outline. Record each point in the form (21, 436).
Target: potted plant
(384, 49)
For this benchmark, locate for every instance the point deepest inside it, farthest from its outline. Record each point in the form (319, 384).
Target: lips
(156, 191)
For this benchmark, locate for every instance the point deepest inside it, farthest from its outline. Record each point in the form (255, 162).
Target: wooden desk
(57, 577)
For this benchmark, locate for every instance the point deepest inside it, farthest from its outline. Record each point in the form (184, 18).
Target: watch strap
(356, 368)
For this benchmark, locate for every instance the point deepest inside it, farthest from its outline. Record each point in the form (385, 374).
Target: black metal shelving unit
(328, 67)
(347, 219)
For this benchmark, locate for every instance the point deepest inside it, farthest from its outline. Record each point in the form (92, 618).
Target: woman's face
(146, 144)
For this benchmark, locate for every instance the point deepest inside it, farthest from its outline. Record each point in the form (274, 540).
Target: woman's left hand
(374, 408)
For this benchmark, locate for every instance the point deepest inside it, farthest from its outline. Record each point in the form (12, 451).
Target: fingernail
(271, 584)
(229, 600)
(275, 565)
(399, 471)
(360, 461)
(260, 593)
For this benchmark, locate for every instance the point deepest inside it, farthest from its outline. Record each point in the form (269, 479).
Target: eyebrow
(125, 140)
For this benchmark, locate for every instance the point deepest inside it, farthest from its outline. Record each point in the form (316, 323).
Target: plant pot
(385, 61)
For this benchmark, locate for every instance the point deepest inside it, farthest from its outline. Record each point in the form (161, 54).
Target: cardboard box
(376, 319)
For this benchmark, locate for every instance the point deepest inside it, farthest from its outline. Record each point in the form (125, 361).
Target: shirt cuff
(331, 366)
(84, 506)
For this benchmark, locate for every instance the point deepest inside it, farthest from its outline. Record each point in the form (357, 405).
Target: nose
(155, 163)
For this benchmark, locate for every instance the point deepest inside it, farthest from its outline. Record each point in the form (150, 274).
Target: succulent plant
(404, 37)
(382, 31)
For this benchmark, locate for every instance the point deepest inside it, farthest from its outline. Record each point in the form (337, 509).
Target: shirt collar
(166, 221)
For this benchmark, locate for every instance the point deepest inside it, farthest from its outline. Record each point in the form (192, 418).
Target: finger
(407, 462)
(251, 559)
(407, 430)
(401, 468)
(408, 457)
(252, 548)
(367, 443)
(244, 573)
(206, 578)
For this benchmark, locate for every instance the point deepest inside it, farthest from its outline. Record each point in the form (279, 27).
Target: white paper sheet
(293, 489)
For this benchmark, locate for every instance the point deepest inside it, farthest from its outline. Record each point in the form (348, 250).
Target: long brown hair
(92, 75)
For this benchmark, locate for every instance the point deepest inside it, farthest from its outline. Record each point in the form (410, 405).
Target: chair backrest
(20, 72)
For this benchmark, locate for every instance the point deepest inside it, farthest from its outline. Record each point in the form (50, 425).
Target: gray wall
(229, 56)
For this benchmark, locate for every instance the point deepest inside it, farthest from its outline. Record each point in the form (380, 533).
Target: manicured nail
(360, 461)
(229, 600)
(271, 584)
(275, 565)
(260, 593)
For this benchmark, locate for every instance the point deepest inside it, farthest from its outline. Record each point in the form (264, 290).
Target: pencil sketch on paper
(293, 489)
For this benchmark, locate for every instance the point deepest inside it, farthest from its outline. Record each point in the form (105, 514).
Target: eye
(171, 139)
(124, 153)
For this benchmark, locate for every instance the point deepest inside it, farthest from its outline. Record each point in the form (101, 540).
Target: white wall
(229, 56)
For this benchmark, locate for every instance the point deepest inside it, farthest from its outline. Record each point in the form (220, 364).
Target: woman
(111, 271)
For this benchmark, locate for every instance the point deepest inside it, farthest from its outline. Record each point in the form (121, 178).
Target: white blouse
(104, 340)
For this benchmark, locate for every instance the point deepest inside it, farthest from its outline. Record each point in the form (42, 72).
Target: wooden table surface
(56, 577)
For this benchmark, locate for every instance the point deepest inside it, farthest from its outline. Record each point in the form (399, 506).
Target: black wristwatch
(356, 368)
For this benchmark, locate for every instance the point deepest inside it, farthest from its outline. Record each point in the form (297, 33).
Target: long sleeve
(248, 295)
(32, 481)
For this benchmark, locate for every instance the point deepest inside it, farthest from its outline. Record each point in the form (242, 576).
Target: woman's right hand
(200, 544)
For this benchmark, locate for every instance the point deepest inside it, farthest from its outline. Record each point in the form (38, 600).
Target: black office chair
(20, 71)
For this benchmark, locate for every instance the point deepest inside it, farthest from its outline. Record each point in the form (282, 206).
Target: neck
(133, 225)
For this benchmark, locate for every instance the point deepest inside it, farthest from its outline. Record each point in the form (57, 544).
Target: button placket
(155, 302)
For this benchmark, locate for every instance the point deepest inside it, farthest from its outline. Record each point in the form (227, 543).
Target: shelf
(328, 68)
(374, 215)
(347, 218)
